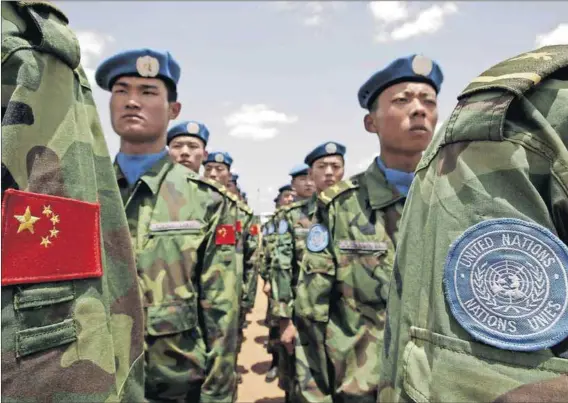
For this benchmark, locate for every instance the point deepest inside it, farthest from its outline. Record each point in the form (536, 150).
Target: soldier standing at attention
(346, 270)
(71, 311)
(326, 168)
(187, 142)
(477, 309)
(183, 236)
(285, 196)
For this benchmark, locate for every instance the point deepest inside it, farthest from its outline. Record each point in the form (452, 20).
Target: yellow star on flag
(47, 211)
(27, 221)
(53, 233)
(45, 241)
(54, 219)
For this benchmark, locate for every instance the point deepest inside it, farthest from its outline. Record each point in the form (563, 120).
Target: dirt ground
(254, 361)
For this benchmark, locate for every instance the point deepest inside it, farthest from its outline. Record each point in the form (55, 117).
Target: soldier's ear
(205, 154)
(369, 122)
(175, 109)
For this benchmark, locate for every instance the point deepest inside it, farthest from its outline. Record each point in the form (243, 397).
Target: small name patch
(506, 282)
(370, 246)
(175, 225)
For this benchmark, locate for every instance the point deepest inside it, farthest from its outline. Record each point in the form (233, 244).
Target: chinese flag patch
(225, 235)
(239, 226)
(49, 238)
(254, 230)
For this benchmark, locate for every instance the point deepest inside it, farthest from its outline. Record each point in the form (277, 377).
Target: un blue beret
(220, 157)
(140, 62)
(324, 150)
(301, 169)
(234, 178)
(284, 188)
(412, 68)
(189, 128)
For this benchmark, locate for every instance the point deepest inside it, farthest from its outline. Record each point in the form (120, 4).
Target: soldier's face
(327, 171)
(188, 151)
(218, 172)
(303, 185)
(405, 118)
(139, 109)
(286, 197)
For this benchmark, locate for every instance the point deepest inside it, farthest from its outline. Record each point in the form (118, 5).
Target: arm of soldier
(283, 273)
(311, 312)
(219, 305)
(250, 266)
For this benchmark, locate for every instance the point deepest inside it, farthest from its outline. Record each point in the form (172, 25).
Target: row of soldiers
(438, 274)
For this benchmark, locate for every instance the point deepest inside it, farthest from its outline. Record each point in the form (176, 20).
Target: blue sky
(272, 80)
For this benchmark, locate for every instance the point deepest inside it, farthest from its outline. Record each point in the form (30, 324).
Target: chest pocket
(168, 271)
(362, 249)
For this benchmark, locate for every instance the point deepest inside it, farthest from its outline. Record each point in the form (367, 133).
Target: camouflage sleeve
(311, 313)
(219, 305)
(520, 182)
(282, 275)
(250, 265)
(58, 334)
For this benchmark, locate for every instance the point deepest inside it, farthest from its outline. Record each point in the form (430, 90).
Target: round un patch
(318, 238)
(506, 283)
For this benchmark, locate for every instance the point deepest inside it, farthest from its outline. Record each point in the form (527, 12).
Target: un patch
(270, 228)
(318, 238)
(282, 227)
(506, 283)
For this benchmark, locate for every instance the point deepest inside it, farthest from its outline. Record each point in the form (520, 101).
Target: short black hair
(170, 87)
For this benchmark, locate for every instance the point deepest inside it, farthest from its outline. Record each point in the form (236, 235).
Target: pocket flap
(171, 318)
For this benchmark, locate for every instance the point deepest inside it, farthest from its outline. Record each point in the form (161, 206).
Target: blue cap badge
(318, 238)
(189, 128)
(506, 282)
(282, 227)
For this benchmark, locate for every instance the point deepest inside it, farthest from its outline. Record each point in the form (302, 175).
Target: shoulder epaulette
(520, 73)
(297, 204)
(210, 183)
(243, 206)
(47, 5)
(332, 192)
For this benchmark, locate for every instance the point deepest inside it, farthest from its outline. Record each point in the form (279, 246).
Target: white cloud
(558, 36)
(404, 23)
(312, 13)
(92, 46)
(389, 11)
(256, 122)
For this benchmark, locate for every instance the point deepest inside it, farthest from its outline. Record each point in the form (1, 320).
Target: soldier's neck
(401, 162)
(142, 148)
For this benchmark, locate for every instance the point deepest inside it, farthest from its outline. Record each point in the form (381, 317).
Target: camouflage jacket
(490, 196)
(66, 340)
(342, 289)
(252, 252)
(245, 255)
(297, 217)
(183, 234)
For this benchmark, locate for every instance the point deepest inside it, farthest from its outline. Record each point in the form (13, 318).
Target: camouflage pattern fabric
(244, 215)
(79, 340)
(298, 217)
(341, 296)
(252, 263)
(188, 278)
(503, 153)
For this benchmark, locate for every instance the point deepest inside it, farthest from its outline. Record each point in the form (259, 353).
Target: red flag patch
(239, 226)
(254, 230)
(225, 235)
(49, 238)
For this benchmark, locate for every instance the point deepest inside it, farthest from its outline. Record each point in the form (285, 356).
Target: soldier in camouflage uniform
(477, 307)
(182, 231)
(297, 220)
(187, 142)
(285, 196)
(68, 333)
(342, 291)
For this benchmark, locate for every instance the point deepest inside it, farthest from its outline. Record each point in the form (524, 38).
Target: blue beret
(412, 68)
(220, 157)
(284, 188)
(234, 178)
(323, 150)
(189, 128)
(140, 62)
(301, 169)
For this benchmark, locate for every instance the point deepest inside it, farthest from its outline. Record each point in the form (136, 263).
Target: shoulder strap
(334, 191)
